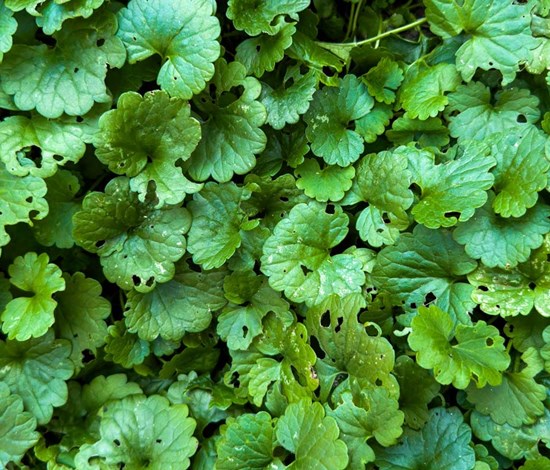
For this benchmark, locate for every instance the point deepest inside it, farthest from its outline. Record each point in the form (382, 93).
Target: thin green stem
(356, 17)
(375, 38)
(350, 22)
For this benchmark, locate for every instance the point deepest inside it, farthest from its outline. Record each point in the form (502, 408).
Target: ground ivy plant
(269, 234)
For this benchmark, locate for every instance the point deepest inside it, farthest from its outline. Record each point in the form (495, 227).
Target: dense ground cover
(274, 234)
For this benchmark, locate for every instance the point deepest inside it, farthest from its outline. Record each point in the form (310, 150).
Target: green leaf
(423, 91)
(102, 390)
(183, 33)
(520, 172)
(414, 403)
(503, 242)
(511, 292)
(367, 359)
(21, 200)
(246, 442)
(53, 13)
(258, 17)
(36, 370)
(144, 138)
(541, 463)
(475, 114)
(297, 259)
(383, 182)
(426, 262)
(383, 80)
(261, 53)
(8, 26)
(499, 34)
(327, 184)
(442, 444)
(231, 134)
(140, 432)
(125, 348)
(329, 117)
(374, 123)
(137, 244)
(17, 428)
(70, 77)
(57, 228)
(32, 315)
(252, 299)
(183, 304)
(378, 416)
(451, 191)
(516, 401)
(80, 315)
(218, 223)
(478, 353)
(428, 133)
(37, 146)
(513, 443)
(312, 437)
(290, 99)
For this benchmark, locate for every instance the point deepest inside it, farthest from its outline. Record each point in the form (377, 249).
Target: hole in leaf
(99, 243)
(450, 214)
(489, 342)
(100, 42)
(330, 209)
(385, 218)
(483, 288)
(235, 380)
(245, 331)
(521, 118)
(75, 70)
(329, 72)
(378, 382)
(314, 343)
(289, 459)
(150, 281)
(338, 326)
(136, 280)
(325, 319)
(158, 441)
(532, 285)
(305, 269)
(283, 199)
(429, 298)
(116, 442)
(58, 158)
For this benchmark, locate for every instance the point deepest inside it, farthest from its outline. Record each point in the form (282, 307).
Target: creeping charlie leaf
(142, 432)
(297, 259)
(328, 119)
(478, 353)
(183, 32)
(70, 77)
(32, 315)
(137, 244)
(145, 138)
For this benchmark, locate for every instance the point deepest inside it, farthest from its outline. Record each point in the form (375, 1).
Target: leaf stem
(353, 44)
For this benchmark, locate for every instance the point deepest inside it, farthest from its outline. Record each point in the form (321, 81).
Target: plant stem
(356, 17)
(350, 21)
(375, 38)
